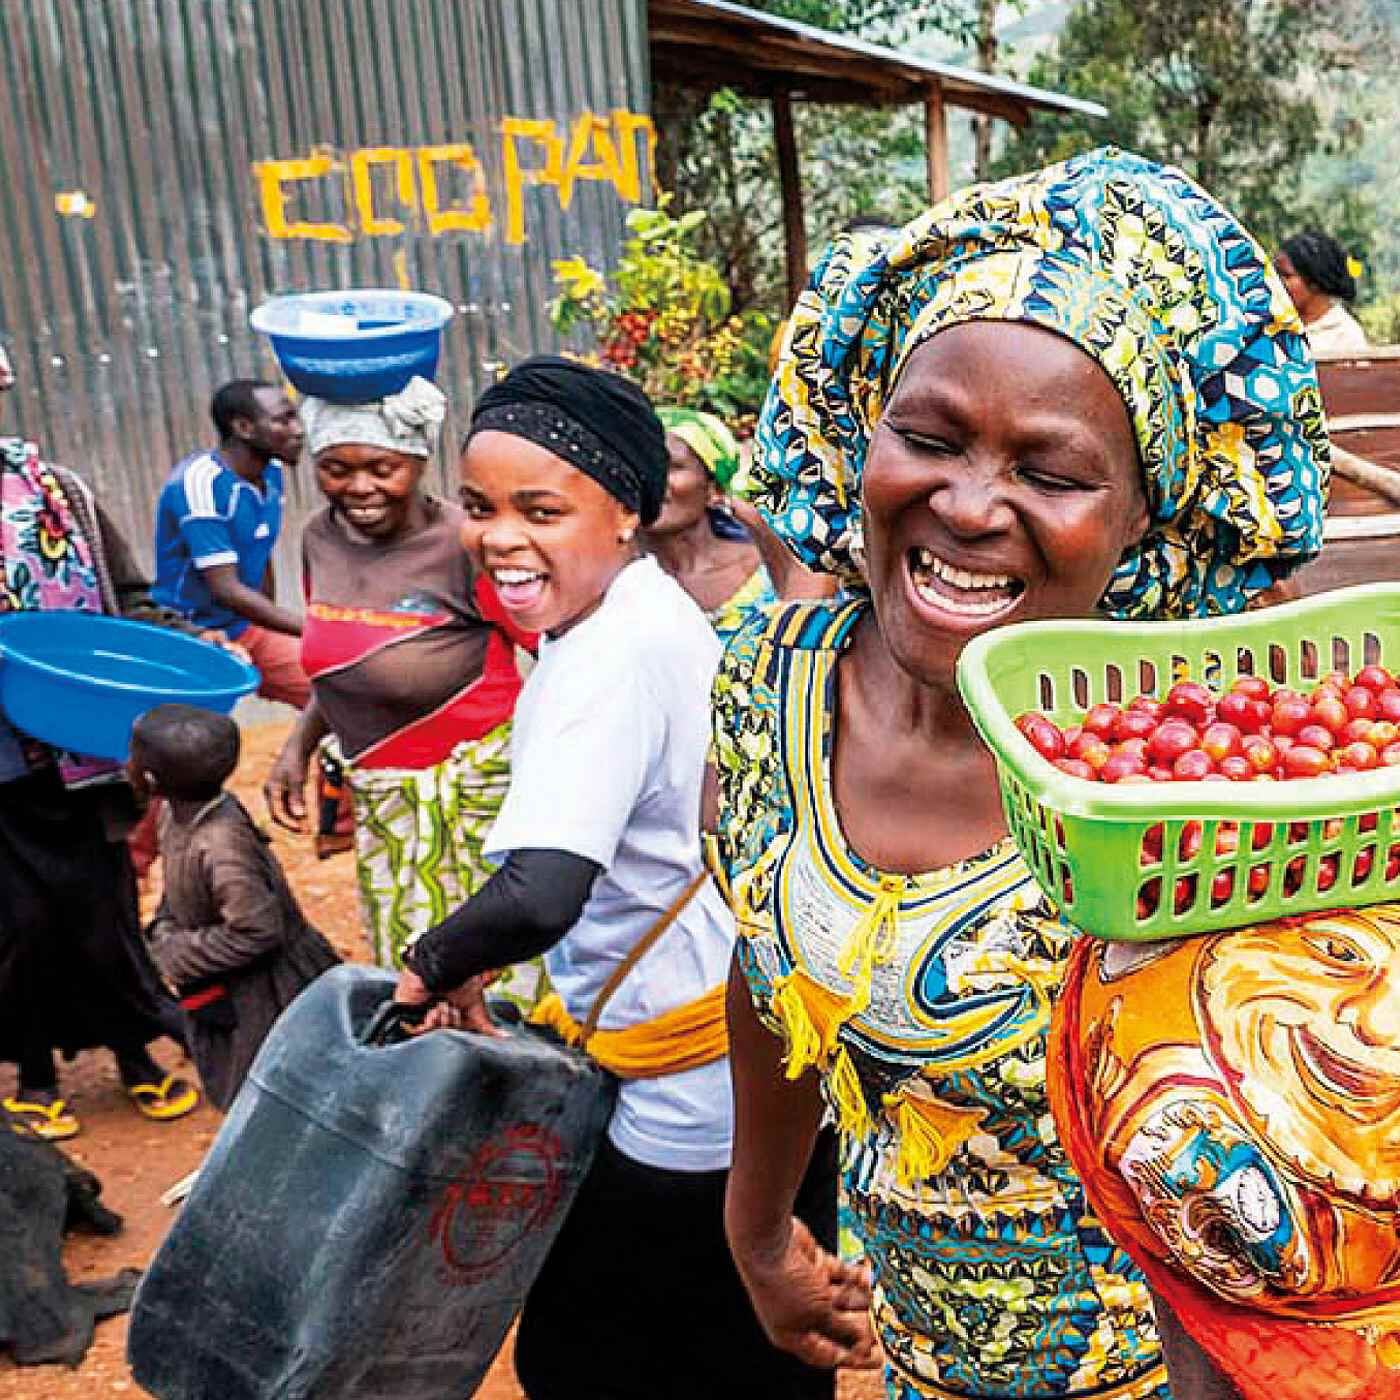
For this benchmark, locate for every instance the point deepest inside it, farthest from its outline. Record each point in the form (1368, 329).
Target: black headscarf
(1322, 263)
(595, 420)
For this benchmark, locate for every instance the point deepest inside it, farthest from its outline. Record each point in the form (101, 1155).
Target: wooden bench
(1361, 393)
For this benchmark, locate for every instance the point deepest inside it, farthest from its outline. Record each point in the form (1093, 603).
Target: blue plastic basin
(79, 680)
(356, 345)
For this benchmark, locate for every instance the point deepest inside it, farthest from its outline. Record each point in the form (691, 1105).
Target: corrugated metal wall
(142, 218)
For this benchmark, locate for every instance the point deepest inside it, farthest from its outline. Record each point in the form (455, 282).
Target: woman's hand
(462, 1009)
(285, 788)
(790, 577)
(811, 1304)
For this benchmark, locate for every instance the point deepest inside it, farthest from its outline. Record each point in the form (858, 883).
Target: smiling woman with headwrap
(1076, 391)
(731, 571)
(412, 665)
(600, 846)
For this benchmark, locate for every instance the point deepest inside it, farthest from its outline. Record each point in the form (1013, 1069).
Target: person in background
(998, 416)
(600, 843)
(229, 935)
(413, 670)
(730, 568)
(217, 521)
(74, 971)
(1320, 275)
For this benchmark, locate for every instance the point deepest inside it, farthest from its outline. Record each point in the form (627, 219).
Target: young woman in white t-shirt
(598, 837)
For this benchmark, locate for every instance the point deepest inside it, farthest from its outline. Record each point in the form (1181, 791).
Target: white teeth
(515, 575)
(959, 578)
(967, 606)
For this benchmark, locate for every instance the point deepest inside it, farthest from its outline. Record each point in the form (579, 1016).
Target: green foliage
(716, 149)
(854, 161)
(1381, 320)
(881, 21)
(1233, 91)
(665, 321)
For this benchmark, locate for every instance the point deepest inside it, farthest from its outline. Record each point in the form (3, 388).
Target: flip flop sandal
(171, 1098)
(50, 1121)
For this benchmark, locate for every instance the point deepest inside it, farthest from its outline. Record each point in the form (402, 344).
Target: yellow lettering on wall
(361, 164)
(546, 134)
(274, 175)
(627, 125)
(476, 217)
(604, 149)
(594, 132)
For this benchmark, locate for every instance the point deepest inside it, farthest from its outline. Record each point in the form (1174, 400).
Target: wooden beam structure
(712, 44)
(936, 145)
(708, 45)
(790, 180)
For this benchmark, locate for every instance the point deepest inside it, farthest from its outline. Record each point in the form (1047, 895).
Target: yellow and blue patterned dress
(925, 1001)
(752, 596)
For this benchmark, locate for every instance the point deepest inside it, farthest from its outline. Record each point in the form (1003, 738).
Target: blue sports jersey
(208, 515)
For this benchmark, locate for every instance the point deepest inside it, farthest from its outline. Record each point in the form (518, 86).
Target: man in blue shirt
(217, 523)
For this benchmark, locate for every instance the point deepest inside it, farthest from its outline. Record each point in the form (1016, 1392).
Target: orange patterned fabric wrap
(1232, 1105)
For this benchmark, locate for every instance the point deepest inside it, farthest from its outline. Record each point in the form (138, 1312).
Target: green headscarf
(708, 438)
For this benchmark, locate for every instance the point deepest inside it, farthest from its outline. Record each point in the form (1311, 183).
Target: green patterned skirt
(418, 849)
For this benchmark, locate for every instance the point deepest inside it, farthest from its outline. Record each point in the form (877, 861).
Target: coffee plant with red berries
(662, 318)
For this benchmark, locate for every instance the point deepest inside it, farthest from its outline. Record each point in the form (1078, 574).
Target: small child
(229, 935)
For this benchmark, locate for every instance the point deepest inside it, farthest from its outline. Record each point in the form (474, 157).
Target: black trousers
(640, 1300)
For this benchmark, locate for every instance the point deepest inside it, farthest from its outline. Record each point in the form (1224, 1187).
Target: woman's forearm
(775, 1126)
(311, 727)
(523, 910)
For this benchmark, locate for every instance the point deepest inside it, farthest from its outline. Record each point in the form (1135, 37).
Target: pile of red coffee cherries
(1253, 733)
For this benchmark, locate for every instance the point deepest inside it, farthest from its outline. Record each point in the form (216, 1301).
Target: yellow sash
(684, 1038)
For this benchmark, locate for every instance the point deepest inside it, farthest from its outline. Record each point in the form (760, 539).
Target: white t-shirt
(607, 759)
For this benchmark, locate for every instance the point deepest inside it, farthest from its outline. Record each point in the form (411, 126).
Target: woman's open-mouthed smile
(1002, 485)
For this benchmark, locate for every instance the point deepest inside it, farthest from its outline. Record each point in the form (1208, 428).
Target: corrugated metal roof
(758, 52)
(157, 125)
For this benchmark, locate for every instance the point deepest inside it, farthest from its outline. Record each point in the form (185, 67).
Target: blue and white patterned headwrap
(1145, 272)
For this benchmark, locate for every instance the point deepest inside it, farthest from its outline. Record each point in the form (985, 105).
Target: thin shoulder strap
(639, 950)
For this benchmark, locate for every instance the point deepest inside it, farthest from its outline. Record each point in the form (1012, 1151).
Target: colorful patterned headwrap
(1148, 274)
(707, 437)
(1230, 1103)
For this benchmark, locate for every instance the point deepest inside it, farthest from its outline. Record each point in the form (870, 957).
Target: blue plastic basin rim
(23, 660)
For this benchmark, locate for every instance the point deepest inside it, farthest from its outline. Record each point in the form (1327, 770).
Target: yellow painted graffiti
(362, 162)
(534, 152)
(476, 217)
(274, 175)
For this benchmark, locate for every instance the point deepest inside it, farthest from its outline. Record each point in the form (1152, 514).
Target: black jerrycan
(372, 1212)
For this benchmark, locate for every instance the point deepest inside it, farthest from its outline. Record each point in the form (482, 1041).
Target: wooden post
(936, 144)
(790, 179)
(987, 62)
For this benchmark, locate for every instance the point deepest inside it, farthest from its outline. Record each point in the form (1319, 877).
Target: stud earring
(625, 537)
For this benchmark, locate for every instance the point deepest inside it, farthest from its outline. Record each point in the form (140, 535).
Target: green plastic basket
(1085, 841)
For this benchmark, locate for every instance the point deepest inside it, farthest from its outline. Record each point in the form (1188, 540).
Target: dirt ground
(137, 1160)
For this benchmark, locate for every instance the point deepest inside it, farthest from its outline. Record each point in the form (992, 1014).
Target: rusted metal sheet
(165, 165)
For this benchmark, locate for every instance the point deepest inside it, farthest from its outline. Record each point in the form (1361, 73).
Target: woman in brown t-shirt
(412, 667)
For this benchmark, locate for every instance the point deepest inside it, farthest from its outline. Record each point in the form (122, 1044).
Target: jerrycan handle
(389, 1025)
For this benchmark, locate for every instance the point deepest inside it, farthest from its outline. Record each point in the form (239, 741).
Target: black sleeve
(525, 908)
